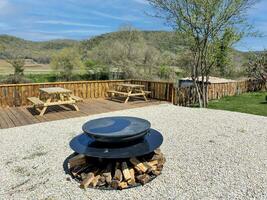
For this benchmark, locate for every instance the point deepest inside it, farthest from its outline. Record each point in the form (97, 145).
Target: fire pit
(116, 153)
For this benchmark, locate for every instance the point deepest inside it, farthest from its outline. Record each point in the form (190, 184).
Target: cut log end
(119, 175)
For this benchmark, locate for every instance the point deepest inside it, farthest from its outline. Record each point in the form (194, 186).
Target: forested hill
(41, 52)
(38, 51)
(161, 40)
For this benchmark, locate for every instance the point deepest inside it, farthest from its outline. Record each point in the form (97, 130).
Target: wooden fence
(17, 94)
(187, 96)
(160, 90)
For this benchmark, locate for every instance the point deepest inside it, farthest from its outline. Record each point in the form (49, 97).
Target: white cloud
(70, 31)
(68, 23)
(142, 2)
(122, 18)
(5, 7)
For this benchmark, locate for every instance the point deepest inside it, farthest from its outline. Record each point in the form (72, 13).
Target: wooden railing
(17, 94)
(187, 96)
(160, 90)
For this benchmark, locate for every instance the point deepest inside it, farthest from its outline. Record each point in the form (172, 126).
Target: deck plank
(10, 123)
(20, 116)
(3, 122)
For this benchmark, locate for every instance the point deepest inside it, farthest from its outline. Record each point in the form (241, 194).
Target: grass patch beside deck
(252, 103)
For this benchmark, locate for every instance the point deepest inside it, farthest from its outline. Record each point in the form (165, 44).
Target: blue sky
(41, 20)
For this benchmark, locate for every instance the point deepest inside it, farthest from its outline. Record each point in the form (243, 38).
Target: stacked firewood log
(116, 173)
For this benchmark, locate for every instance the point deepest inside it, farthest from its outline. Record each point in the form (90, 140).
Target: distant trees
(257, 68)
(96, 71)
(65, 62)
(164, 72)
(203, 24)
(128, 52)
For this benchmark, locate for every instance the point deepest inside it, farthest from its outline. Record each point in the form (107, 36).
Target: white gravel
(210, 154)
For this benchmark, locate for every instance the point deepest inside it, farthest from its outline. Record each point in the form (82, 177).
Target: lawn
(252, 103)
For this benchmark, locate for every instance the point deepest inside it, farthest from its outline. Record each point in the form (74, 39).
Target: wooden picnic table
(52, 96)
(129, 90)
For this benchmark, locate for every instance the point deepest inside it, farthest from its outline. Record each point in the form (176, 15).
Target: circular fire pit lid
(83, 144)
(113, 129)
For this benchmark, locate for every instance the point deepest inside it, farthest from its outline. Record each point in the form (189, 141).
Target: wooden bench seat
(117, 92)
(126, 94)
(147, 92)
(36, 101)
(129, 90)
(76, 98)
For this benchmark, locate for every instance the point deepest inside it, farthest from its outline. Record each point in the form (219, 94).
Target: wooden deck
(21, 116)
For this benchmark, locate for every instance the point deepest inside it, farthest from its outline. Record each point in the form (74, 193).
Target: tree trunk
(196, 85)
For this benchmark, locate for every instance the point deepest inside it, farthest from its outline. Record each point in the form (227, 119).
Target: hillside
(162, 40)
(38, 51)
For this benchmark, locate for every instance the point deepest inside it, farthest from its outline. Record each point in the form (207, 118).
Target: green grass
(252, 103)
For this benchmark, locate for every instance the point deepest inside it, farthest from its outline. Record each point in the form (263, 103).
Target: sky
(41, 20)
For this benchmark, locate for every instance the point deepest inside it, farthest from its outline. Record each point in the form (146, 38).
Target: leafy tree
(96, 71)
(203, 23)
(65, 62)
(257, 68)
(164, 72)
(222, 57)
(18, 65)
(125, 54)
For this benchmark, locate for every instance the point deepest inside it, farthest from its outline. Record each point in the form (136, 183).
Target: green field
(252, 103)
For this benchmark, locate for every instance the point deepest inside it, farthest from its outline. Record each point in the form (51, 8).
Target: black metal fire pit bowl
(116, 129)
(86, 145)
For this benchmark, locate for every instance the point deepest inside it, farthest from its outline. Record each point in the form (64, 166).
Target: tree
(96, 70)
(18, 65)
(164, 72)
(257, 68)
(65, 62)
(222, 56)
(129, 53)
(203, 23)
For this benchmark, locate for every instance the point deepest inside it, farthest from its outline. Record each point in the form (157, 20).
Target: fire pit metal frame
(141, 142)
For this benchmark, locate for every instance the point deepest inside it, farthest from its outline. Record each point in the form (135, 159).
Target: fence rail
(188, 96)
(160, 90)
(17, 94)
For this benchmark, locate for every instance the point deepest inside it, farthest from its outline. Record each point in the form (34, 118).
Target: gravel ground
(210, 154)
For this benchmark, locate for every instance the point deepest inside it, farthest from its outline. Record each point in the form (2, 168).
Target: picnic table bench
(129, 90)
(54, 96)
